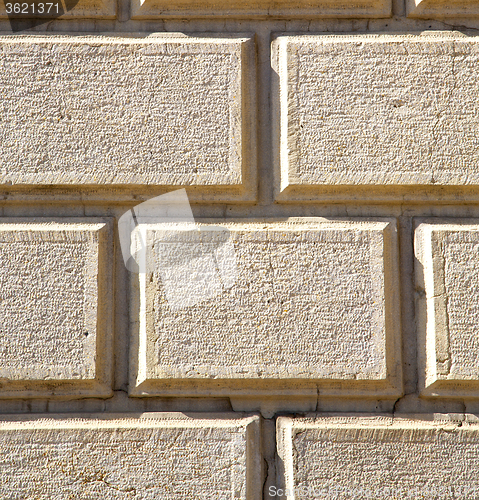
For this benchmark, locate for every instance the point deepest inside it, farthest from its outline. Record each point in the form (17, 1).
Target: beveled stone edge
(430, 384)
(389, 387)
(249, 423)
(368, 9)
(245, 190)
(101, 386)
(285, 189)
(419, 9)
(128, 419)
(288, 427)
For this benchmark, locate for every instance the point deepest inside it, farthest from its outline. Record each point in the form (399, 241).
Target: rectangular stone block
(250, 8)
(380, 458)
(102, 9)
(249, 307)
(447, 281)
(156, 456)
(55, 307)
(442, 8)
(153, 110)
(375, 110)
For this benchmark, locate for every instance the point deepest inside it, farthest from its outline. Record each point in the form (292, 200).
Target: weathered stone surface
(345, 458)
(447, 276)
(442, 8)
(165, 456)
(103, 9)
(376, 110)
(313, 301)
(134, 110)
(55, 307)
(249, 8)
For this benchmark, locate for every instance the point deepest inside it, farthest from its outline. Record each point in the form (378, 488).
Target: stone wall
(308, 326)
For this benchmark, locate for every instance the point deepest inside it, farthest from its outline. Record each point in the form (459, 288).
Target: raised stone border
(440, 9)
(341, 125)
(154, 455)
(144, 111)
(151, 9)
(56, 307)
(380, 457)
(447, 276)
(315, 307)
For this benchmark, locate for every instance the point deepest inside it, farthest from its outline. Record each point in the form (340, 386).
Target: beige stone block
(156, 456)
(375, 110)
(151, 110)
(250, 8)
(55, 307)
(447, 283)
(313, 306)
(380, 458)
(429, 9)
(103, 9)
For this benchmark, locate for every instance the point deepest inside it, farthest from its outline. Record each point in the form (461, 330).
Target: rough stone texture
(139, 110)
(100, 9)
(442, 8)
(314, 300)
(54, 307)
(249, 8)
(447, 275)
(376, 110)
(361, 458)
(165, 456)
(440, 80)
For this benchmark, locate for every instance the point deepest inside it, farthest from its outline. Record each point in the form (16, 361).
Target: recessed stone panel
(160, 111)
(251, 8)
(55, 307)
(447, 280)
(165, 456)
(438, 9)
(312, 302)
(379, 458)
(375, 110)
